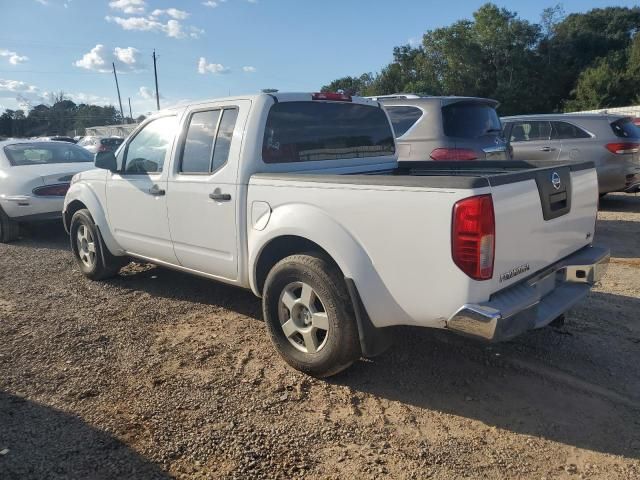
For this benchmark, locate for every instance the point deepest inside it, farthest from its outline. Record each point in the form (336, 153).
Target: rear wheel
(94, 260)
(9, 229)
(309, 315)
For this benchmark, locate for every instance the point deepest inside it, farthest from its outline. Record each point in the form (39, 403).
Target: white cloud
(129, 6)
(249, 69)
(99, 59)
(14, 58)
(16, 86)
(146, 93)
(210, 4)
(173, 28)
(215, 68)
(172, 12)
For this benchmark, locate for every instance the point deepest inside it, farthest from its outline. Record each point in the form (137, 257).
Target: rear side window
(564, 130)
(206, 147)
(315, 131)
(625, 128)
(403, 118)
(530, 131)
(470, 120)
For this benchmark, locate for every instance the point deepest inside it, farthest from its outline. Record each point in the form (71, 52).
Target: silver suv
(612, 142)
(445, 128)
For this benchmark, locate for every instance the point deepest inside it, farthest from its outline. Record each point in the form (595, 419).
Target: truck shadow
(620, 202)
(621, 236)
(48, 235)
(572, 385)
(43, 442)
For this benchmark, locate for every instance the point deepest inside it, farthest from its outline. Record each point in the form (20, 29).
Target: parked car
(299, 197)
(34, 178)
(101, 144)
(445, 128)
(612, 142)
(55, 138)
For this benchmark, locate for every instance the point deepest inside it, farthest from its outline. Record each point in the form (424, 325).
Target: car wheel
(9, 229)
(95, 260)
(309, 315)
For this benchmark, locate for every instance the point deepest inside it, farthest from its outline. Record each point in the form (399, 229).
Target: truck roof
(279, 96)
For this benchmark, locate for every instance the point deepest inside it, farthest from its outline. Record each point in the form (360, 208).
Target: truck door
(203, 193)
(136, 194)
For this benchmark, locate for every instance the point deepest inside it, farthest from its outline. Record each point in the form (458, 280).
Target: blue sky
(211, 48)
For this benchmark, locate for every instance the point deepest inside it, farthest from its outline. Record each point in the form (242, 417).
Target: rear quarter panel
(394, 243)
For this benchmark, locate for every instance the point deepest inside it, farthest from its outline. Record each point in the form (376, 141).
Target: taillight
(59, 190)
(336, 97)
(473, 236)
(453, 154)
(623, 147)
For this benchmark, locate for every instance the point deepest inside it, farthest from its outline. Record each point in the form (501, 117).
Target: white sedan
(34, 178)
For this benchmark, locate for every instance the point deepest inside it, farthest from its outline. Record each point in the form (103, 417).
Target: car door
(531, 140)
(573, 140)
(136, 194)
(203, 193)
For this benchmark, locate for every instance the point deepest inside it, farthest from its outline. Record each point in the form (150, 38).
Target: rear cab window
(303, 131)
(470, 120)
(625, 128)
(403, 118)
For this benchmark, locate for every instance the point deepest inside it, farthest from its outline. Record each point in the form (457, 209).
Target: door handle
(547, 149)
(156, 191)
(220, 197)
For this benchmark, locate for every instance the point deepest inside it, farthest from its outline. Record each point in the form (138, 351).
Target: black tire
(340, 346)
(9, 229)
(102, 264)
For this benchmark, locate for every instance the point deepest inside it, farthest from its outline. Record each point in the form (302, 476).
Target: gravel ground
(156, 374)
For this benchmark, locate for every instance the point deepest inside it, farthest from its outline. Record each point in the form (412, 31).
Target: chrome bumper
(536, 302)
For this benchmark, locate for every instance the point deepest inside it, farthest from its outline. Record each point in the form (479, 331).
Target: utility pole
(130, 113)
(118, 88)
(155, 73)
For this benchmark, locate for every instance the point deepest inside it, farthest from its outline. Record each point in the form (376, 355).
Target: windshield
(625, 128)
(314, 131)
(470, 120)
(21, 154)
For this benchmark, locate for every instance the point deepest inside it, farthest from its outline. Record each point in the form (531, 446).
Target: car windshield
(21, 154)
(470, 120)
(625, 128)
(314, 131)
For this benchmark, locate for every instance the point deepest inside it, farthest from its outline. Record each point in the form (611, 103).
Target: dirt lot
(157, 374)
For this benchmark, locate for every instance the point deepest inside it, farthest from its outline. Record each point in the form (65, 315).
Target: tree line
(62, 117)
(574, 62)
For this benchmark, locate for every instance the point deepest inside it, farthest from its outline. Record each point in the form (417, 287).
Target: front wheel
(94, 260)
(309, 315)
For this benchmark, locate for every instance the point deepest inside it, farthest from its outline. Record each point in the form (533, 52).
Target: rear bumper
(29, 207)
(535, 302)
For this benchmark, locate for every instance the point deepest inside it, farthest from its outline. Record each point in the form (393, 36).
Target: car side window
(198, 145)
(146, 152)
(208, 141)
(564, 130)
(530, 131)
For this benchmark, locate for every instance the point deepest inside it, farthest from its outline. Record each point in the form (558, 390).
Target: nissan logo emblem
(555, 180)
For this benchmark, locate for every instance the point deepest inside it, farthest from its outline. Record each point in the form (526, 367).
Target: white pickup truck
(300, 198)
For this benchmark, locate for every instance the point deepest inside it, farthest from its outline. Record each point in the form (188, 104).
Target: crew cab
(300, 198)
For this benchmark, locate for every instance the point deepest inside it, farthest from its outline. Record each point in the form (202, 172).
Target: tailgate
(541, 220)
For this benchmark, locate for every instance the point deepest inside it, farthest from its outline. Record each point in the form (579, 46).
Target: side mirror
(106, 161)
